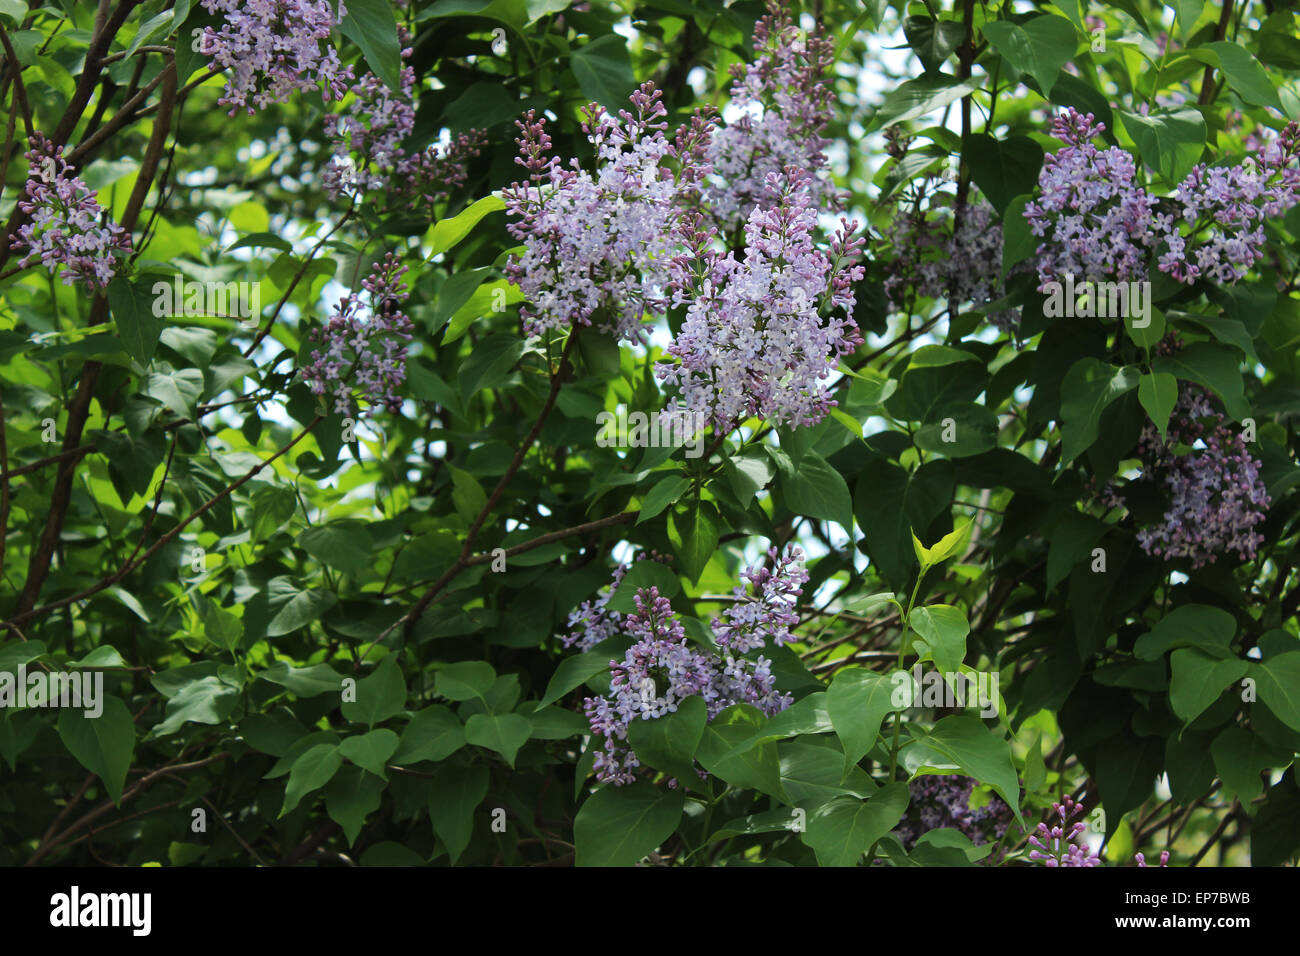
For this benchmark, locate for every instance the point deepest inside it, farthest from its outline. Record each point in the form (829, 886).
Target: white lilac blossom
(596, 243)
(933, 260)
(785, 105)
(273, 49)
(761, 334)
(1215, 492)
(1055, 846)
(661, 668)
(365, 350)
(1095, 221)
(67, 228)
(1226, 208)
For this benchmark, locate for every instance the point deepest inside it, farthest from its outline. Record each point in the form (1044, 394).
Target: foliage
(310, 393)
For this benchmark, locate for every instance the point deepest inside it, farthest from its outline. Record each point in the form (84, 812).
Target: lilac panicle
(661, 668)
(364, 350)
(761, 334)
(67, 225)
(1095, 221)
(1055, 846)
(1216, 493)
(273, 49)
(943, 800)
(785, 105)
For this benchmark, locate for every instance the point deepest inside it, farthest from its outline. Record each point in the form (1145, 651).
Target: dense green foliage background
(229, 550)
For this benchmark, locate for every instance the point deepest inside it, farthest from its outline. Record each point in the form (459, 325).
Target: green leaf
(915, 98)
(812, 774)
(467, 495)
(556, 723)
(351, 796)
(1244, 74)
(301, 609)
(857, 703)
(177, 390)
(378, 697)
(1088, 389)
(370, 25)
(304, 682)
(343, 545)
(454, 794)
(103, 745)
(618, 826)
(311, 771)
(1192, 625)
(1018, 242)
(1158, 393)
(1278, 679)
(1039, 47)
(693, 532)
(465, 680)
(664, 493)
(371, 750)
(721, 752)
(604, 71)
(943, 629)
(455, 293)
(843, 829)
(1170, 141)
(573, 672)
(208, 700)
(818, 491)
(131, 305)
(1198, 679)
(932, 41)
(1240, 756)
(668, 743)
(448, 232)
(1000, 168)
(1216, 368)
(434, 733)
(488, 366)
(643, 574)
(958, 430)
(964, 742)
(504, 733)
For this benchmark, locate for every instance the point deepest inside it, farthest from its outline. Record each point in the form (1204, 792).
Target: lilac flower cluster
(1216, 495)
(1142, 860)
(364, 351)
(1226, 208)
(368, 152)
(755, 340)
(1054, 846)
(933, 260)
(68, 227)
(273, 48)
(661, 669)
(943, 800)
(593, 621)
(1096, 222)
(602, 242)
(785, 105)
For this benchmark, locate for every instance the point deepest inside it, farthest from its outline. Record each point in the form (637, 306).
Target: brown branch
(20, 91)
(1207, 80)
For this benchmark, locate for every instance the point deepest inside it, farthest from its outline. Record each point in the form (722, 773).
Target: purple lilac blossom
(1095, 221)
(661, 668)
(1216, 494)
(785, 106)
(68, 227)
(1055, 846)
(365, 352)
(754, 340)
(273, 48)
(1226, 208)
(367, 140)
(932, 261)
(943, 800)
(602, 242)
